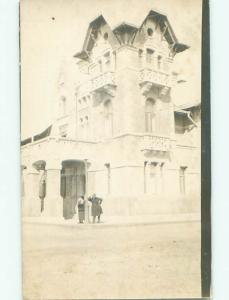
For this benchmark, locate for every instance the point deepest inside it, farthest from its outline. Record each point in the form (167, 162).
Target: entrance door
(72, 187)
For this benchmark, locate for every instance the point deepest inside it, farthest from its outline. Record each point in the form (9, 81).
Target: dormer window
(105, 36)
(150, 32)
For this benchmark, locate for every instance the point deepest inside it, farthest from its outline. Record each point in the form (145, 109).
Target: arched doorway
(72, 185)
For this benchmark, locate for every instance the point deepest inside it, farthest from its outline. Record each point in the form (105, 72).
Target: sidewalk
(119, 220)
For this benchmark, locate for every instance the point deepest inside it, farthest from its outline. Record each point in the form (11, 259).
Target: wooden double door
(72, 187)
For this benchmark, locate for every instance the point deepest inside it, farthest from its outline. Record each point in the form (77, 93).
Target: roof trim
(179, 108)
(125, 24)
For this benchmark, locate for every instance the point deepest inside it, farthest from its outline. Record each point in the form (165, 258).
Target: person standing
(81, 209)
(96, 208)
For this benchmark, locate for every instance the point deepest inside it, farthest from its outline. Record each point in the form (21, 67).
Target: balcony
(104, 82)
(156, 143)
(154, 77)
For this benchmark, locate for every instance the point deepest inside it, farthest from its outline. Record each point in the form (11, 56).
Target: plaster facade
(118, 132)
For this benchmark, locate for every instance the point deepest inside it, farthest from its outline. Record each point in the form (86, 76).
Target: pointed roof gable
(166, 29)
(114, 36)
(91, 34)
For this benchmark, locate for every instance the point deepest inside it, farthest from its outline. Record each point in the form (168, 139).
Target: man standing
(96, 208)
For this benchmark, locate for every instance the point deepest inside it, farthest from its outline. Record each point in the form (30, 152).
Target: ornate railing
(156, 143)
(103, 80)
(155, 76)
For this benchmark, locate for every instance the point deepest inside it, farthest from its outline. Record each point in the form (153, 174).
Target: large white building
(118, 133)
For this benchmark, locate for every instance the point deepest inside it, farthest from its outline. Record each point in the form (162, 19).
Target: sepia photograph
(112, 99)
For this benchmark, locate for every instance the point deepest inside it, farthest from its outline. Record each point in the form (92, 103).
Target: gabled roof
(186, 106)
(123, 27)
(164, 22)
(89, 40)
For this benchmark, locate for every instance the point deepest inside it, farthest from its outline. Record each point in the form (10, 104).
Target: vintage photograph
(111, 149)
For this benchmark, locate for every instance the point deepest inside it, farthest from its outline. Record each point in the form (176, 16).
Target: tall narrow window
(182, 172)
(149, 56)
(162, 177)
(159, 62)
(152, 178)
(63, 106)
(107, 61)
(108, 118)
(86, 128)
(100, 66)
(108, 177)
(150, 116)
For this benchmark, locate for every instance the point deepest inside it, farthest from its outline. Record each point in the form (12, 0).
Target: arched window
(150, 115)
(108, 118)
(150, 31)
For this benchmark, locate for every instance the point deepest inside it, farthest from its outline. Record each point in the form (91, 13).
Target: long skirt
(96, 209)
(81, 213)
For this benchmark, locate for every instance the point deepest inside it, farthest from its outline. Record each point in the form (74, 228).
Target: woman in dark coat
(96, 208)
(81, 209)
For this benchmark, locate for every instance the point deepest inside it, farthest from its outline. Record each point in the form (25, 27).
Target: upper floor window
(108, 118)
(63, 106)
(159, 62)
(149, 56)
(150, 31)
(63, 130)
(105, 36)
(84, 127)
(150, 115)
(107, 60)
(100, 66)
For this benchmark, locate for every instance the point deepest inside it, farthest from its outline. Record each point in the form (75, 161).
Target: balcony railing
(155, 77)
(156, 143)
(102, 81)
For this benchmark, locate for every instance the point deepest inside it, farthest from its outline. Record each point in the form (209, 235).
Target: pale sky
(52, 31)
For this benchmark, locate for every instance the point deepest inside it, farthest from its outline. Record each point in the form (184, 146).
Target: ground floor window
(108, 177)
(152, 178)
(182, 172)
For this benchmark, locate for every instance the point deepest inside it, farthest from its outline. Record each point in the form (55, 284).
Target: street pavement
(87, 261)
